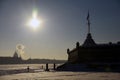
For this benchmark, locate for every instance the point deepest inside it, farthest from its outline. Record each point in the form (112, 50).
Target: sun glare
(34, 23)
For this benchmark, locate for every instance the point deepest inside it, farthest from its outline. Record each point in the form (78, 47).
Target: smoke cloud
(20, 50)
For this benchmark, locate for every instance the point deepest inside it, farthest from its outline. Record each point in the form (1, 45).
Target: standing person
(42, 67)
(28, 69)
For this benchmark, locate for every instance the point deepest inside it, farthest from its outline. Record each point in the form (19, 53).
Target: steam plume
(20, 49)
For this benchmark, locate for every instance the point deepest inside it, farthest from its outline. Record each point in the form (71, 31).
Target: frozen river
(40, 74)
(62, 76)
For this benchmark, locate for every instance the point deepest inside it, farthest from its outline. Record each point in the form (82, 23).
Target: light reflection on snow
(40, 74)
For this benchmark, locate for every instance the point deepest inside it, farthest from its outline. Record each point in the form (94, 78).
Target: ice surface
(63, 76)
(19, 72)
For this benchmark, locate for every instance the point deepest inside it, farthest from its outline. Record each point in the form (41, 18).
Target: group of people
(46, 69)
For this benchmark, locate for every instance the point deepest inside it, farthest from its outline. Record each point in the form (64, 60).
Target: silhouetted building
(90, 52)
(15, 55)
(18, 60)
(11, 60)
(92, 55)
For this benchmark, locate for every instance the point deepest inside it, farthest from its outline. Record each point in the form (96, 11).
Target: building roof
(89, 41)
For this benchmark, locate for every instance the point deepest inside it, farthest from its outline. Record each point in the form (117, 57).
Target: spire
(88, 22)
(15, 55)
(89, 41)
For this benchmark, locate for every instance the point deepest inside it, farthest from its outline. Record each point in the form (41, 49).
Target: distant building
(15, 59)
(15, 55)
(11, 60)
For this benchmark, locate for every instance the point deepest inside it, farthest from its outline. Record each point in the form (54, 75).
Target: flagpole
(88, 22)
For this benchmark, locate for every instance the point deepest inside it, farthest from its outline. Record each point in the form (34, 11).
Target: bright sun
(34, 23)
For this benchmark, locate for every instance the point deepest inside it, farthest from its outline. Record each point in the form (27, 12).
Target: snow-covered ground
(63, 76)
(19, 72)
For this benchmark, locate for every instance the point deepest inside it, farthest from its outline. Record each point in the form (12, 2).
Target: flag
(88, 16)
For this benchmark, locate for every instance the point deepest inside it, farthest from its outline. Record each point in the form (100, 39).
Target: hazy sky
(64, 23)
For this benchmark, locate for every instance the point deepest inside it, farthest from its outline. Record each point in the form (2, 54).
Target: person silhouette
(28, 69)
(42, 67)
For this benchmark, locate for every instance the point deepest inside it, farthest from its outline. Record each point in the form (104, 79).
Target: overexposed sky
(63, 24)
